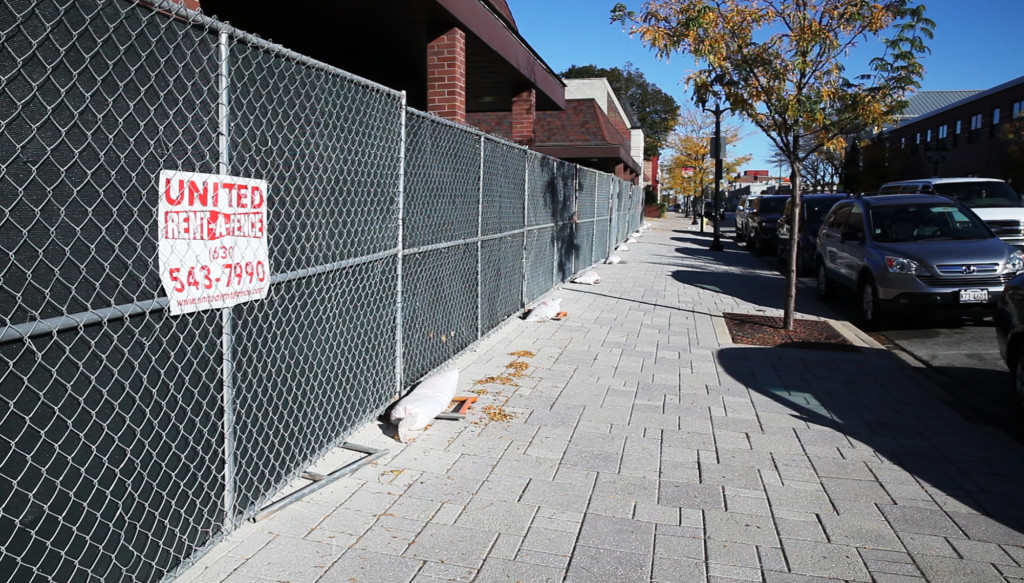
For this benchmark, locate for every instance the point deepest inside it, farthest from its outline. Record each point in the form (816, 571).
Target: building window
(903, 143)
(994, 130)
(1018, 109)
(957, 131)
(928, 136)
(943, 131)
(972, 134)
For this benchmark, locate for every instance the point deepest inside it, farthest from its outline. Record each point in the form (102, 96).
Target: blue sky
(977, 45)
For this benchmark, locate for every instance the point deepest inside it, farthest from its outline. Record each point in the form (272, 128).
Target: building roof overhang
(389, 47)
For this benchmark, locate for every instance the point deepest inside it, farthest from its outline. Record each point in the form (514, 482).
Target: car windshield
(979, 194)
(772, 205)
(817, 209)
(900, 223)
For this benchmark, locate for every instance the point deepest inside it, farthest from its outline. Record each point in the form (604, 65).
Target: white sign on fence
(213, 240)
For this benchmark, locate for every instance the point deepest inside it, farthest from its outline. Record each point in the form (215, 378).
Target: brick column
(524, 116)
(446, 76)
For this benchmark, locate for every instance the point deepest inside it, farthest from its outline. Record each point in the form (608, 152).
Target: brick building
(962, 138)
(463, 60)
(594, 130)
(451, 57)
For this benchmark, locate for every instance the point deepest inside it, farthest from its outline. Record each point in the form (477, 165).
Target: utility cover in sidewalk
(759, 330)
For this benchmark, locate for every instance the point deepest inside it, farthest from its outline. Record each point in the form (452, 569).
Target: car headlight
(900, 265)
(1015, 263)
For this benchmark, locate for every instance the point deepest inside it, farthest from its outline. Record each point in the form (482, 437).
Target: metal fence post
(479, 245)
(526, 222)
(399, 346)
(227, 322)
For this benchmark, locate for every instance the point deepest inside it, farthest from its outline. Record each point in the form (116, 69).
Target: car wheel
(870, 309)
(824, 286)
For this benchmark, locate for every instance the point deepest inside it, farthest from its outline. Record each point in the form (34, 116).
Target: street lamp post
(717, 111)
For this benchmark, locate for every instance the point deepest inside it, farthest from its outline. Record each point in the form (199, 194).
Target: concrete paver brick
(954, 570)
(536, 557)
(747, 504)
(689, 495)
(857, 532)
(497, 516)
(591, 564)
(388, 540)
(452, 544)
(789, 497)
(732, 553)
(741, 528)
(877, 567)
(679, 570)
(920, 520)
(500, 570)
(431, 572)
(617, 533)
(984, 528)
(862, 490)
(365, 565)
(559, 495)
(289, 559)
(825, 560)
(719, 572)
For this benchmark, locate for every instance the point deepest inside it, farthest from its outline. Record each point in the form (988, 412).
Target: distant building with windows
(955, 137)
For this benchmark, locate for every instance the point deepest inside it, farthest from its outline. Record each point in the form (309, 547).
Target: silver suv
(915, 251)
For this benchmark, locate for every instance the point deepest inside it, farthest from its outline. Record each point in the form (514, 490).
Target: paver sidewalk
(645, 446)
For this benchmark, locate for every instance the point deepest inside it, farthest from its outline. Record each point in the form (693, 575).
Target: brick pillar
(524, 116)
(446, 76)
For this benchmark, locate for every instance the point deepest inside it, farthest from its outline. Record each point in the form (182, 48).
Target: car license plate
(973, 296)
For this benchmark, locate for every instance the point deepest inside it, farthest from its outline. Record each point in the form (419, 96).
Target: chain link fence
(132, 440)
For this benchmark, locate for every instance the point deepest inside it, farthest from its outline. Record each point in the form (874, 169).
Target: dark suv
(914, 251)
(813, 208)
(762, 218)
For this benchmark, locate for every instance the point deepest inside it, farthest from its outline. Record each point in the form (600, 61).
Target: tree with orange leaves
(782, 64)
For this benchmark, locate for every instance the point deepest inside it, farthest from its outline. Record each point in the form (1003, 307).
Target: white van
(993, 200)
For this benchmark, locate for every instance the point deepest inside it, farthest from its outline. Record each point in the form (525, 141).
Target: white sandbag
(631, 240)
(636, 235)
(416, 410)
(612, 260)
(588, 277)
(545, 310)
(621, 248)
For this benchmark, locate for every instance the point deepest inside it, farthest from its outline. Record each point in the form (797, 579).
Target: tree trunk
(794, 231)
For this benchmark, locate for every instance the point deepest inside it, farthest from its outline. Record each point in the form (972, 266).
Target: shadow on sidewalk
(760, 288)
(972, 472)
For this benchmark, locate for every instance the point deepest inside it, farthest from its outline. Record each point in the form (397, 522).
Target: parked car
(741, 214)
(1010, 331)
(993, 200)
(813, 208)
(762, 220)
(911, 253)
(709, 211)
